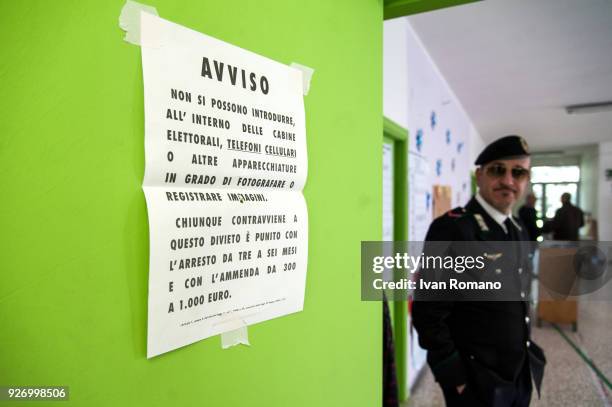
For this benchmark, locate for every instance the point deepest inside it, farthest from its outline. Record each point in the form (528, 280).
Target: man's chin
(503, 205)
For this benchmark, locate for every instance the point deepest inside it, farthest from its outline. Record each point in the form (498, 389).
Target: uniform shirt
(497, 216)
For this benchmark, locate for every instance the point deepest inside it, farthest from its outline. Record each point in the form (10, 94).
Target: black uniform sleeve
(430, 319)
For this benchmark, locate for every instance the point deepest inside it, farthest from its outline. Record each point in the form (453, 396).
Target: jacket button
(520, 270)
(528, 343)
(472, 357)
(526, 320)
(522, 294)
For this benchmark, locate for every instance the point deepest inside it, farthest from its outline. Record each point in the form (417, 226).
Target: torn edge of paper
(238, 336)
(306, 75)
(129, 20)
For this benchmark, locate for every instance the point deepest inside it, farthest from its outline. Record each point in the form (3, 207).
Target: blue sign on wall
(419, 139)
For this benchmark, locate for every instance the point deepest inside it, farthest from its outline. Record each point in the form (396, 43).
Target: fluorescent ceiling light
(589, 108)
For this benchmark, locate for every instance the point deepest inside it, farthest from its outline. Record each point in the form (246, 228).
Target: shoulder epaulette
(456, 212)
(481, 222)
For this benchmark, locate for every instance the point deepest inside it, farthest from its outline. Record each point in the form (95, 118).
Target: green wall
(73, 221)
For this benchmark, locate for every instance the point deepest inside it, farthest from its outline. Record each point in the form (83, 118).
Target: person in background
(567, 221)
(528, 215)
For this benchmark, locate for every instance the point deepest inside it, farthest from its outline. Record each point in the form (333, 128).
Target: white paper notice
(225, 146)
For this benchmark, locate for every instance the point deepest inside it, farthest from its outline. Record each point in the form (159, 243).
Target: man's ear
(479, 174)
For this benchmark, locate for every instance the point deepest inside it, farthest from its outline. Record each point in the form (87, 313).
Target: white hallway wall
(413, 88)
(395, 66)
(442, 146)
(441, 131)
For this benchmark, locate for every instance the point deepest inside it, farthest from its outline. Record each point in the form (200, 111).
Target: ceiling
(515, 64)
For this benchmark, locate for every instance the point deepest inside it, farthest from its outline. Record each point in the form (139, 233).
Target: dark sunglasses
(499, 171)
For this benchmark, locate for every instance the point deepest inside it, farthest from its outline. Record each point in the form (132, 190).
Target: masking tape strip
(236, 337)
(236, 333)
(129, 20)
(306, 75)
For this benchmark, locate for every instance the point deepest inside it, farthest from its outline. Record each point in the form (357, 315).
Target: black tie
(512, 233)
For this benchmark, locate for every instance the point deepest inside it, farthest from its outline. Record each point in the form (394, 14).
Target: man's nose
(507, 179)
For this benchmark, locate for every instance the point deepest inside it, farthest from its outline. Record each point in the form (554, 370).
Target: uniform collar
(496, 215)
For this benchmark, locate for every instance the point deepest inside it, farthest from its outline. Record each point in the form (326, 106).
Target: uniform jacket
(482, 343)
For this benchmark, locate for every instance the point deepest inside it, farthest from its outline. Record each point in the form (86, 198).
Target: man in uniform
(480, 352)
